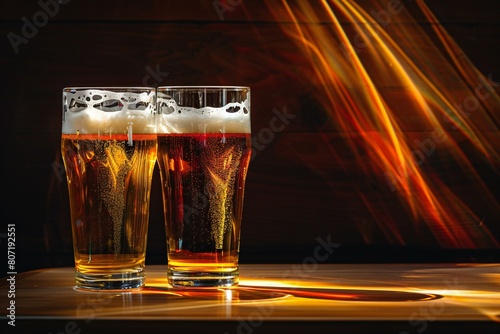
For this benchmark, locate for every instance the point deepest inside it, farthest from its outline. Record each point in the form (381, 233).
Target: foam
(234, 117)
(101, 111)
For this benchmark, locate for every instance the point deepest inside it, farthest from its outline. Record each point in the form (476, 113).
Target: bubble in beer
(75, 106)
(203, 154)
(139, 106)
(108, 111)
(233, 117)
(89, 155)
(109, 105)
(232, 109)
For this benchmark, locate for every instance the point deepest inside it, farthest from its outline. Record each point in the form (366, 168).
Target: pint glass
(109, 152)
(204, 149)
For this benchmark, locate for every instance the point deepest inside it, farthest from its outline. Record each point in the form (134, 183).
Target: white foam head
(109, 110)
(213, 109)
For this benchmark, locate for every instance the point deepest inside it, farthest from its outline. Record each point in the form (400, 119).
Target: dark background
(289, 202)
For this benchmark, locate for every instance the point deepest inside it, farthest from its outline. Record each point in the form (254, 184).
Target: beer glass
(204, 149)
(109, 151)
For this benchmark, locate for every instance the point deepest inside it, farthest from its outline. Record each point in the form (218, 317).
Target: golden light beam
(350, 89)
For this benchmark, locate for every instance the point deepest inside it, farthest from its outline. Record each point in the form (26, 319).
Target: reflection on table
(349, 298)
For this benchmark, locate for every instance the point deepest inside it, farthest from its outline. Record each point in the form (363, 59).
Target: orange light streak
(351, 85)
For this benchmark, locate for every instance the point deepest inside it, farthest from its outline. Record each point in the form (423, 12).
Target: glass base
(120, 281)
(179, 278)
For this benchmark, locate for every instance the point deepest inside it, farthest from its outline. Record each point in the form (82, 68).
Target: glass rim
(199, 87)
(111, 88)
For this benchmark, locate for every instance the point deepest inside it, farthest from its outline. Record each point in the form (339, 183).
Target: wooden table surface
(347, 298)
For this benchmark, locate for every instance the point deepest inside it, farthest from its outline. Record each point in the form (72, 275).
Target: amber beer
(203, 155)
(109, 151)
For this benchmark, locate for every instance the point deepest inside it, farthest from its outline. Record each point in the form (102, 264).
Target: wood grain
(352, 298)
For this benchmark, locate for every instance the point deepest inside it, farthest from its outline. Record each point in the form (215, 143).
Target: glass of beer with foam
(109, 152)
(204, 149)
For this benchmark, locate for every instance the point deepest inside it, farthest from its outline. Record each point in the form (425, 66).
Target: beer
(203, 155)
(203, 176)
(109, 172)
